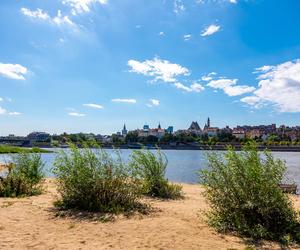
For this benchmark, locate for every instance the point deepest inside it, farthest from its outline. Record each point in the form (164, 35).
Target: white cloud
(216, 1)
(1, 99)
(279, 86)
(132, 101)
(195, 87)
(161, 33)
(13, 71)
(208, 77)
(187, 37)
(230, 87)
(81, 6)
(93, 105)
(76, 114)
(2, 111)
(58, 20)
(39, 13)
(153, 102)
(14, 113)
(160, 69)
(211, 29)
(178, 6)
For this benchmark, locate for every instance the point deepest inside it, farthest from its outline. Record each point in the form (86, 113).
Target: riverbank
(32, 223)
(5, 149)
(219, 147)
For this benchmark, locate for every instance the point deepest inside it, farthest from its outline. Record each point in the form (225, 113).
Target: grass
(244, 196)
(92, 180)
(6, 149)
(150, 168)
(23, 177)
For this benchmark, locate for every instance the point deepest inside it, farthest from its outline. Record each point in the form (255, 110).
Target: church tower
(124, 130)
(208, 122)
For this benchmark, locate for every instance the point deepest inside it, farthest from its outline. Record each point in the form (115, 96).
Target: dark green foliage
(151, 169)
(242, 189)
(90, 179)
(23, 177)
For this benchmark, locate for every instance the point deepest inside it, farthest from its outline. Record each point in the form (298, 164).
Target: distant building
(211, 131)
(195, 128)
(238, 133)
(170, 130)
(253, 133)
(124, 130)
(207, 124)
(146, 127)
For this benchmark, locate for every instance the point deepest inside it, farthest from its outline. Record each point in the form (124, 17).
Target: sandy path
(30, 223)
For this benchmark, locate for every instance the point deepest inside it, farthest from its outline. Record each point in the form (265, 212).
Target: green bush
(23, 177)
(243, 192)
(151, 169)
(90, 179)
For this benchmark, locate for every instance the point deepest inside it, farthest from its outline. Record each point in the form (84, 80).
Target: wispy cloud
(14, 113)
(76, 114)
(195, 87)
(13, 71)
(208, 77)
(161, 33)
(178, 6)
(210, 30)
(93, 105)
(230, 87)
(42, 15)
(38, 13)
(82, 6)
(131, 101)
(187, 37)
(153, 102)
(2, 111)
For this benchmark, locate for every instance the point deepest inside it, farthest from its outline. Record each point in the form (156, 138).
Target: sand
(31, 223)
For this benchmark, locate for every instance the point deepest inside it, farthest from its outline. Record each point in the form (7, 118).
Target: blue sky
(91, 65)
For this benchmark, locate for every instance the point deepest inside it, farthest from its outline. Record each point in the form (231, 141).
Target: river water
(184, 164)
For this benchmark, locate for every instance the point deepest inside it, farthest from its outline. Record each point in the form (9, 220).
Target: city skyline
(89, 66)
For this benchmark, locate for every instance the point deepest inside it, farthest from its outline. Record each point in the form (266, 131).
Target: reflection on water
(184, 164)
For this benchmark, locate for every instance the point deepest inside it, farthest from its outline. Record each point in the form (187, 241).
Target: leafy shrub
(242, 189)
(23, 177)
(151, 169)
(90, 179)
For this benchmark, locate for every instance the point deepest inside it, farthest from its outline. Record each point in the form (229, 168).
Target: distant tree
(131, 137)
(151, 139)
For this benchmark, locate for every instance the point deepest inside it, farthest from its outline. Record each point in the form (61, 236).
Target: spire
(208, 122)
(159, 127)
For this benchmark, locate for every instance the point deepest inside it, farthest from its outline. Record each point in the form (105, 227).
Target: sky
(93, 65)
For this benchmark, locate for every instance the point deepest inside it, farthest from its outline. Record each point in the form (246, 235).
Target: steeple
(208, 122)
(124, 130)
(159, 127)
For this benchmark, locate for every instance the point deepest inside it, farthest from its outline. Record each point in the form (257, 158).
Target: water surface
(184, 164)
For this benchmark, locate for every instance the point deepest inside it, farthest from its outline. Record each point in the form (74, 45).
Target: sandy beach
(32, 223)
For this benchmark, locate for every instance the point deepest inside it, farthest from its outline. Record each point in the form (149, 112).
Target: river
(184, 164)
